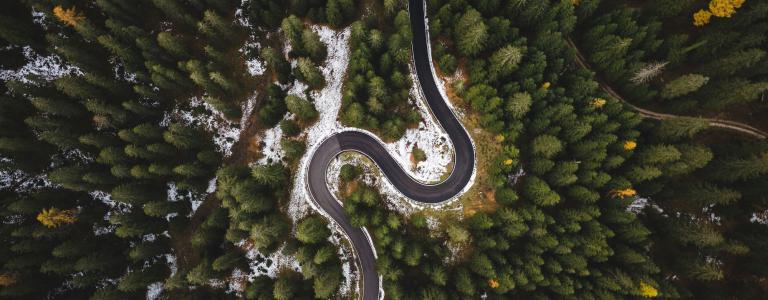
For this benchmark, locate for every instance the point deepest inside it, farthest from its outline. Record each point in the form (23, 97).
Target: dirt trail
(726, 124)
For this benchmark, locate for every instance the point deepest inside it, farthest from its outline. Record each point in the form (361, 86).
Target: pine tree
(293, 149)
(146, 249)
(174, 44)
(704, 194)
(308, 72)
(312, 44)
(505, 60)
(268, 174)
(289, 127)
(659, 154)
(268, 231)
(519, 105)
(312, 230)
(683, 85)
(231, 259)
(301, 107)
(182, 137)
(176, 12)
(327, 282)
(135, 193)
(284, 289)
(333, 13)
(546, 146)
(680, 127)
(733, 63)
(463, 282)
(733, 169)
(471, 33)
(537, 190)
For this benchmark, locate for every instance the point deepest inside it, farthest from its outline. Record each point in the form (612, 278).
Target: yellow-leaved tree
(717, 8)
(648, 291)
(630, 145)
(54, 217)
(701, 18)
(623, 193)
(598, 102)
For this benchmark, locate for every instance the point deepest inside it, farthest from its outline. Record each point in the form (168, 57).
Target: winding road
(726, 124)
(372, 147)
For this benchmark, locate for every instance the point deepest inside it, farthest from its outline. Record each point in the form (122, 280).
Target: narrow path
(371, 146)
(730, 125)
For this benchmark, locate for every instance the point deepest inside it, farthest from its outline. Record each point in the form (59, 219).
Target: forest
(137, 146)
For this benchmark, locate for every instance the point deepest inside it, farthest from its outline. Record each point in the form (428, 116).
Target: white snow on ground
(154, 290)
(251, 49)
(262, 265)
(272, 150)
(760, 217)
(259, 265)
(22, 182)
(328, 103)
(47, 67)
(195, 199)
(255, 66)
(170, 259)
(640, 203)
(38, 17)
(429, 137)
(714, 218)
(225, 133)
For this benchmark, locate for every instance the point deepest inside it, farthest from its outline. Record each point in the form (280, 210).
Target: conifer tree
(301, 107)
(312, 230)
(471, 33)
(268, 174)
(683, 85)
(680, 127)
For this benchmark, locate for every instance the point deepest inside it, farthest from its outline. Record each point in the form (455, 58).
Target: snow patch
(225, 133)
(760, 217)
(48, 68)
(640, 203)
(154, 290)
(269, 265)
(272, 150)
(328, 103)
(23, 182)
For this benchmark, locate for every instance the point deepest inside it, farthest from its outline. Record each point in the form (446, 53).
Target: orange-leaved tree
(7, 279)
(68, 16)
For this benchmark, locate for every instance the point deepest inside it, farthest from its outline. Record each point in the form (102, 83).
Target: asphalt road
(464, 159)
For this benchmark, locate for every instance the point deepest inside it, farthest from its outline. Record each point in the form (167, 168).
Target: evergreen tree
(683, 85)
(312, 230)
(268, 174)
(680, 127)
(312, 44)
(302, 108)
(505, 60)
(471, 33)
(309, 73)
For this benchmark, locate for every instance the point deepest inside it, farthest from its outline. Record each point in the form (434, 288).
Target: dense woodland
(102, 177)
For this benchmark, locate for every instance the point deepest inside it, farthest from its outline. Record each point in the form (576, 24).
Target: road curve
(464, 159)
(726, 124)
